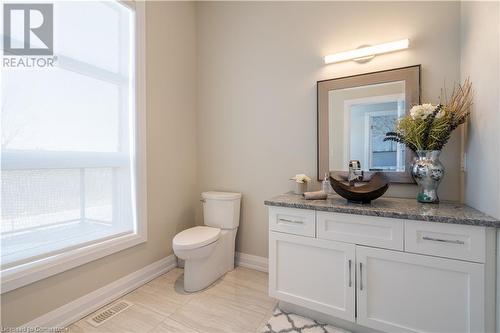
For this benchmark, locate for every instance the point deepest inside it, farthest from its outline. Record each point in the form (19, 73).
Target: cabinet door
(313, 273)
(403, 292)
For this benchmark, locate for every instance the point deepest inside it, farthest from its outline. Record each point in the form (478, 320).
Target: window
(383, 155)
(72, 149)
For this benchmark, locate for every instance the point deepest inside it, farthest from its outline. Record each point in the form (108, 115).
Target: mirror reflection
(354, 114)
(359, 117)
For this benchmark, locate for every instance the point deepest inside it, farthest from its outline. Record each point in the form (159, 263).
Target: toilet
(208, 251)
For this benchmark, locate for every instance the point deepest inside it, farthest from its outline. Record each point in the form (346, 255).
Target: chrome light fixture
(367, 52)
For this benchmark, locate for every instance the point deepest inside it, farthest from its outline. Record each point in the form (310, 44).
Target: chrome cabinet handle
(360, 276)
(350, 273)
(443, 240)
(290, 221)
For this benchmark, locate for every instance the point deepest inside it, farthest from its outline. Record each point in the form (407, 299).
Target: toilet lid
(195, 237)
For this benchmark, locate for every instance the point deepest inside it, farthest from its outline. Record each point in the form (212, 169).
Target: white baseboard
(79, 308)
(251, 261)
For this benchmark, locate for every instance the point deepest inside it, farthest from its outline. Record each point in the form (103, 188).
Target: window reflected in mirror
(359, 119)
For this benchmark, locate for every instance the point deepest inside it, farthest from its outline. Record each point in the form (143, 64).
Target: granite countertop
(445, 212)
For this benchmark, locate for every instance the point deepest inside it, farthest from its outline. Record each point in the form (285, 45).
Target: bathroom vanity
(392, 266)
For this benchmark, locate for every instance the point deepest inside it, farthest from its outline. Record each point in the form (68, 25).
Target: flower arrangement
(429, 127)
(301, 178)
(301, 181)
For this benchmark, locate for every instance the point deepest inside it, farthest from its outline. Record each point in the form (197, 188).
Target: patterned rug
(285, 322)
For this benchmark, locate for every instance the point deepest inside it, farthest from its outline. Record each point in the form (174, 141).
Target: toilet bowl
(208, 251)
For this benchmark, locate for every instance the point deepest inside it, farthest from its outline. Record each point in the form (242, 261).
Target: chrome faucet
(355, 172)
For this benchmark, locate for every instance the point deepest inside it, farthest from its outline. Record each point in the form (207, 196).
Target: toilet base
(201, 273)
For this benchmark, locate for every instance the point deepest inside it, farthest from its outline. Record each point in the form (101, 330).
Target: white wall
(172, 191)
(258, 64)
(480, 56)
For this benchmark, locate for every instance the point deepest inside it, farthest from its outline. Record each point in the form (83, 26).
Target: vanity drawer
(293, 221)
(446, 240)
(359, 229)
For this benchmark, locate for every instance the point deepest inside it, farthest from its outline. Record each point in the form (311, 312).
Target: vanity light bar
(368, 51)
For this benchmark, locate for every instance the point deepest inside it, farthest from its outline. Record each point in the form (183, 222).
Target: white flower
(423, 111)
(440, 114)
(301, 178)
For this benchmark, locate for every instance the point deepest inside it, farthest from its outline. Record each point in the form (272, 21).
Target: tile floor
(237, 303)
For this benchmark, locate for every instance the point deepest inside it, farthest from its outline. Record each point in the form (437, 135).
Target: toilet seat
(195, 237)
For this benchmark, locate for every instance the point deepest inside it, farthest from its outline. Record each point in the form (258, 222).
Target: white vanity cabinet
(385, 274)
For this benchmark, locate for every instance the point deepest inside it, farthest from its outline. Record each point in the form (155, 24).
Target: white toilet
(208, 251)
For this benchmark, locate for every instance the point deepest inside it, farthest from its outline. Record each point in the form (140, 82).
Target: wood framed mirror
(355, 112)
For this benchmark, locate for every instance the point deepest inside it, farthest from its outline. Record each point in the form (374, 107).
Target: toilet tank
(221, 209)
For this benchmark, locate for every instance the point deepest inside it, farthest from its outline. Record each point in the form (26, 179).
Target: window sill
(35, 243)
(22, 275)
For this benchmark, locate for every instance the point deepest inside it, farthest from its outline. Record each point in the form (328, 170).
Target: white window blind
(69, 138)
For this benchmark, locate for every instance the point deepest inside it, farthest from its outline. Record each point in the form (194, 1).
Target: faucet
(355, 172)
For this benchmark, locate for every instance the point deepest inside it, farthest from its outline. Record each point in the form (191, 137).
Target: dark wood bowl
(373, 189)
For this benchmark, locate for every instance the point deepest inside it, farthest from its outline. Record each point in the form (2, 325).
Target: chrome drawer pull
(290, 221)
(350, 274)
(360, 276)
(443, 240)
